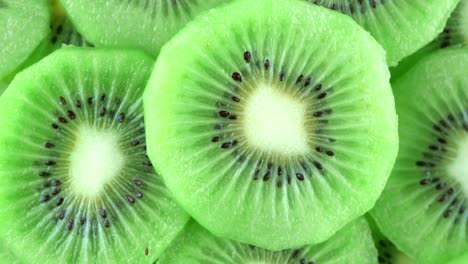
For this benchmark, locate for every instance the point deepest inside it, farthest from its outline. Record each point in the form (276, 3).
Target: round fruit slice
(423, 208)
(76, 185)
(263, 134)
(455, 34)
(146, 25)
(352, 244)
(24, 24)
(400, 26)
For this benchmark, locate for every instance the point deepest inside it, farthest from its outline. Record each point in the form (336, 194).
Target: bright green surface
(352, 244)
(61, 33)
(463, 259)
(6, 256)
(386, 250)
(422, 209)
(146, 25)
(192, 82)
(455, 34)
(23, 25)
(400, 26)
(97, 86)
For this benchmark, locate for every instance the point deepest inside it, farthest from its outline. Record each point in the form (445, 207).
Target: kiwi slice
(146, 25)
(24, 24)
(76, 184)
(352, 244)
(423, 207)
(455, 34)
(400, 26)
(387, 252)
(61, 33)
(266, 136)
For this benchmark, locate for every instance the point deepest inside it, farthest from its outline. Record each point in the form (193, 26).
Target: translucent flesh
(146, 25)
(238, 191)
(455, 34)
(422, 209)
(352, 244)
(401, 27)
(50, 119)
(24, 24)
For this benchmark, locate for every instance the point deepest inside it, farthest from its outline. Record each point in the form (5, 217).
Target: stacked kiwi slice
(234, 131)
(23, 25)
(143, 24)
(352, 244)
(423, 208)
(272, 136)
(76, 185)
(400, 26)
(60, 32)
(454, 35)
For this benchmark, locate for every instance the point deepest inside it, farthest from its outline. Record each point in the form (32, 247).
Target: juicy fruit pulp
(257, 139)
(352, 244)
(18, 41)
(76, 183)
(61, 33)
(455, 34)
(401, 27)
(146, 25)
(423, 208)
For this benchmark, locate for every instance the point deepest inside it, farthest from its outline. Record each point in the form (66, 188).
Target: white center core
(275, 122)
(95, 161)
(458, 169)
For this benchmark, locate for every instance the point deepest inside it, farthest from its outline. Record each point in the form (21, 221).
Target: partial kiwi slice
(24, 24)
(146, 25)
(387, 252)
(76, 185)
(264, 135)
(455, 34)
(61, 33)
(400, 26)
(196, 245)
(423, 208)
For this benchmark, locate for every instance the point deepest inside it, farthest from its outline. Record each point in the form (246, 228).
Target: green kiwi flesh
(23, 24)
(146, 25)
(423, 207)
(400, 26)
(6, 256)
(463, 259)
(455, 34)
(61, 32)
(76, 185)
(196, 245)
(265, 136)
(387, 253)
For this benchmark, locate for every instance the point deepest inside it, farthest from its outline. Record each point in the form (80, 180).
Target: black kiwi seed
(62, 101)
(103, 213)
(106, 223)
(247, 56)
(49, 145)
(130, 199)
(59, 201)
